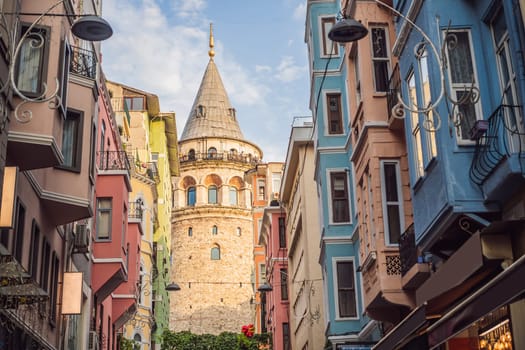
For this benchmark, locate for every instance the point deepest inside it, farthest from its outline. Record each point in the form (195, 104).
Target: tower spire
(211, 52)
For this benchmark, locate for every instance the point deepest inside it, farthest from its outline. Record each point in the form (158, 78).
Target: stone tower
(212, 225)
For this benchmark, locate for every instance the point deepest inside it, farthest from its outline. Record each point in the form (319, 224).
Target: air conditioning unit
(81, 242)
(94, 343)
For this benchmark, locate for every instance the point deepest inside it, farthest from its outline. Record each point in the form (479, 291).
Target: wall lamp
(265, 287)
(172, 287)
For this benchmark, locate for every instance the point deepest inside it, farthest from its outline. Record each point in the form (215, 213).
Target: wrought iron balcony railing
(228, 156)
(502, 137)
(407, 249)
(394, 87)
(113, 160)
(83, 62)
(135, 210)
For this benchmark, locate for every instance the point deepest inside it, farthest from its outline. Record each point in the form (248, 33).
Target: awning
(404, 330)
(501, 290)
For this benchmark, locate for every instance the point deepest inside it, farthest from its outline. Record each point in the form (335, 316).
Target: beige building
(212, 223)
(305, 280)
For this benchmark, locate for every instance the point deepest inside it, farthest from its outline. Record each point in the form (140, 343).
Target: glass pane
(381, 75)
(499, 26)
(212, 195)
(460, 58)
(379, 43)
(341, 213)
(28, 78)
(233, 196)
(103, 226)
(390, 182)
(69, 133)
(347, 307)
(191, 196)
(345, 275)
(468, 114)
(215, 253)
(138, 103)
(394, 224)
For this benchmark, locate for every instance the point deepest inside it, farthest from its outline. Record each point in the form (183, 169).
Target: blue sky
(161, 46)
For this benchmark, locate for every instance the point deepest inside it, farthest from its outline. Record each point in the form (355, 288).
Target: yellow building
(151, 140)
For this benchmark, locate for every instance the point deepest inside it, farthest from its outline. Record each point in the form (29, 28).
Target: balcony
(225, 156)
(147, 169)
(394, 88)
(135, 210)
(414, 271)
(113, 160)
(498, 163)
(83, 62)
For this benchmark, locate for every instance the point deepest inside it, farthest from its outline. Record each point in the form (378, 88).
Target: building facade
(334, 177)
(302, 236)
(212, 221)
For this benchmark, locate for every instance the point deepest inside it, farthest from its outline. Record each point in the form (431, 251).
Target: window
(155, 157)
(72, 140)
(371, 216)
(233, 195)
(212, 194)
(238, 231)
(261, 195)
(44, 272)
(276, 182)
(357, 73)
(329, 48)
(19, 231)
(335, 117)
(380, 58)
(191, 196)
(214, 230)
(34, 250)
(64, 75)
(212, 153)
(201, 111)
(262, 274)
(282, 233)
(462, 76)
(346, 298)
(392, 201)
(135, 103)
(104, 206)
(30, 68)
(339, 187)
(55, 268)
(507, 78)
(92, 156)
(191, 154)
(431, 150)
(417, 150)
(284, 284)
(190, 231)
(286, 336)
(216, 253)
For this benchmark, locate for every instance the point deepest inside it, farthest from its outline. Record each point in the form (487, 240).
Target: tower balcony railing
(226, 156)
(113, 160)
(83, 62)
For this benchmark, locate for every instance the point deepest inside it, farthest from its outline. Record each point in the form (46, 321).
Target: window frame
(74, 116)
(213, 194)
(107, 211)
(463, 86)
(233, 196)
(34, 250)
(415, 127)
(283, 280)
(65, 62)
(217, 250)
(332, 198)
(386, 203)
(191, 196)
(18, 241)
(335, 262)
(336, 116)
(282, 232)
(379, 59)
(132, 100)
(426, 96)
(326, 23)
(41, 75)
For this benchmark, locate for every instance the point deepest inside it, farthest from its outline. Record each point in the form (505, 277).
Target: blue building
(346, 327)
(462, 80)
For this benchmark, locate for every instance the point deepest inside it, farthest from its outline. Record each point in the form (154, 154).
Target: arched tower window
(191, 196)
(212, 153)
(216, 253)
(233, 196)
(212, 194)
(191, 154)
(214, 230)
(190, 231)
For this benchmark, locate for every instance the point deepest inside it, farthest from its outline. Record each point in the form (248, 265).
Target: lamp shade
(347, 30)
(265, 288)
(92, 28)
(172, 287)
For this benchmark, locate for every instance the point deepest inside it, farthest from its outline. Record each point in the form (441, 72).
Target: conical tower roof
(212, 114)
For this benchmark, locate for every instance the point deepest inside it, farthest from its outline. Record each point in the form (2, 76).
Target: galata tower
(212, 225)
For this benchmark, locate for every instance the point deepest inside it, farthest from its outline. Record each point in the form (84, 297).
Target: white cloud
(288, 71)
(189, 8)
(299, 12)
(262, 69)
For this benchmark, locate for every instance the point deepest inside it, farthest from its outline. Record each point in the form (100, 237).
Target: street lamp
(265, 287)
(172, 287)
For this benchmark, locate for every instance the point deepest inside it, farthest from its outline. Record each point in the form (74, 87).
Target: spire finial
(211, 53)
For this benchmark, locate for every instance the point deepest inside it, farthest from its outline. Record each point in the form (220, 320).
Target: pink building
(275, 298)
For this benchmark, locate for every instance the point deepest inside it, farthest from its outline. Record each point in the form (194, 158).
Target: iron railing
(135, 210)
(228, 156)
(83, 62)
(394, 87)
(503, 137)
(113, 160)
(407, 249)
